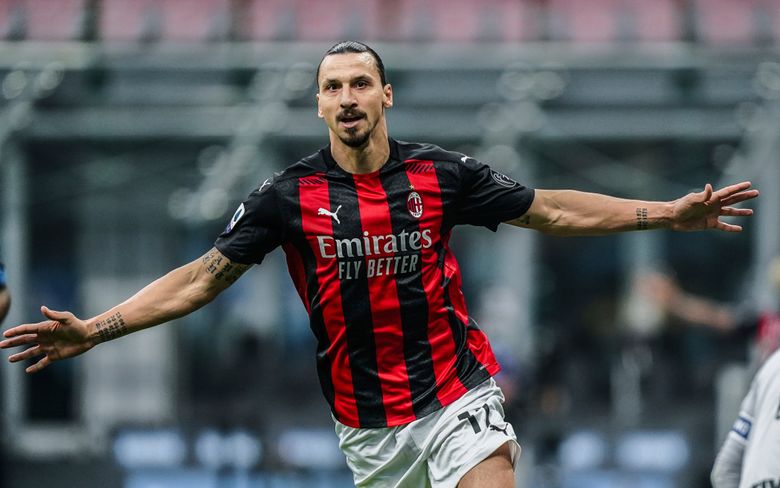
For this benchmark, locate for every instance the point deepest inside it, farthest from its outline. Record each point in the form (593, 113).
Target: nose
(347, 98)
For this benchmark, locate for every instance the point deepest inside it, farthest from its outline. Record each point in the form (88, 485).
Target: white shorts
(434, 451)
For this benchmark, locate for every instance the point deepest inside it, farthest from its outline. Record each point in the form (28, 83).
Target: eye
(331, 87)
(361, 84)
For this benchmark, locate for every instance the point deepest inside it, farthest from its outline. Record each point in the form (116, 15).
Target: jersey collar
(393, 159)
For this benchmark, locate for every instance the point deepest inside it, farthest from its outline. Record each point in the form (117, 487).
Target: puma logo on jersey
(265, 183)
(324, 211)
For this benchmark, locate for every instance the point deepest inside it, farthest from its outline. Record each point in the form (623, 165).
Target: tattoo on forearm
(641, 219)
(222, 268)
(110, 328)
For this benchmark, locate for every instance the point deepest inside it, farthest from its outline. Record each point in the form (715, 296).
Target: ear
(319, 109)
(388, 98)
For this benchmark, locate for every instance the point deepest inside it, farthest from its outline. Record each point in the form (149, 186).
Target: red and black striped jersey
(369, 256)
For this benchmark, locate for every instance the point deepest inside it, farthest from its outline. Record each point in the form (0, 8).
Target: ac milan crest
(414, 204)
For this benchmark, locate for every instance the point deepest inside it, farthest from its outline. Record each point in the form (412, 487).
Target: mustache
(350, 114)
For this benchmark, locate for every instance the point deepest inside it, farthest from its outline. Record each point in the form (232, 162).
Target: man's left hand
(703, 210)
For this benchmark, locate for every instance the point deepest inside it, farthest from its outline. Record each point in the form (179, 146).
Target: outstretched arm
(575, 213)
(176, 294)
(666, 294)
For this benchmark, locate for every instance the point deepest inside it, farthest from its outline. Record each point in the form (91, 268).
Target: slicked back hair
(344, 47)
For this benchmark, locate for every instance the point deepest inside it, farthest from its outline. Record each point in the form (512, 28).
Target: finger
(707, 193)
(19, 341)
(739, 197)
(26, 354)
(732, 189)
(55, 315)
(728, 227)
(25, 329)
(45, 361)
(736, 212)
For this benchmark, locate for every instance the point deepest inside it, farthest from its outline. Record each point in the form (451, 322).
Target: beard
(355, 139)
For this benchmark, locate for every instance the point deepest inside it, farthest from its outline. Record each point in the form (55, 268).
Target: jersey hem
(492, 369)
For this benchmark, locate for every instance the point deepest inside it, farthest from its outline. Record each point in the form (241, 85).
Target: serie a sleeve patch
(742, 427)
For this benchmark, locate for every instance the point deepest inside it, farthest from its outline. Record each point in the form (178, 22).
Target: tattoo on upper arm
(222, 268)
(641, 219)
(110, 328)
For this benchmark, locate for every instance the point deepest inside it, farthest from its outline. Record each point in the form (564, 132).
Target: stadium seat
(312, 20)
(488, 20)
(574, 20)
(413, 20)
(125, 20)
(167, 20)
(769, 12)
(7, 15)
(518, 21)
(53, 20)
(456, 20)
(725, 21)
(269, 20)
(659, 20)
(195, 20)
(329, 21)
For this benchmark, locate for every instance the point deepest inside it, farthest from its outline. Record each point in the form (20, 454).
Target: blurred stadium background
(130, 130)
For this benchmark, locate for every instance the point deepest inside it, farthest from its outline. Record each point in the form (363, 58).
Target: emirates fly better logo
(372, 255)
(414, 204)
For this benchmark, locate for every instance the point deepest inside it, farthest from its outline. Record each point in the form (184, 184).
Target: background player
(749, 456)
(455, 433)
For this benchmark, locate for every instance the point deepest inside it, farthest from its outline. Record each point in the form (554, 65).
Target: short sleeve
(743, 426)
(488, 197)
(255, 229)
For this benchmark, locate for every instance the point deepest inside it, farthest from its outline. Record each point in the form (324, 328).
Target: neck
(364, 159)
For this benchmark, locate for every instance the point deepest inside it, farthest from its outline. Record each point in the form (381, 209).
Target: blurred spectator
(660, 355)
(671, 301)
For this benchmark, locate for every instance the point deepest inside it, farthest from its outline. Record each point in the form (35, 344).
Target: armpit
(522, 221)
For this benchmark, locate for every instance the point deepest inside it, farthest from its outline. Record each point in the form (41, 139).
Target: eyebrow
(360, 77)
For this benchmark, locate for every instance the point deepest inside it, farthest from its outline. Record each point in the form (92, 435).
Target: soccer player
(365, 224)
(5, 296)
(750, 456)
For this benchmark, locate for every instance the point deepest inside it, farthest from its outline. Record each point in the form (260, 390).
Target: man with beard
(365, 224)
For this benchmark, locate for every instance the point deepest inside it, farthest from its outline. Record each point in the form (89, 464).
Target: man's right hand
(179, 292)
(62, 336)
